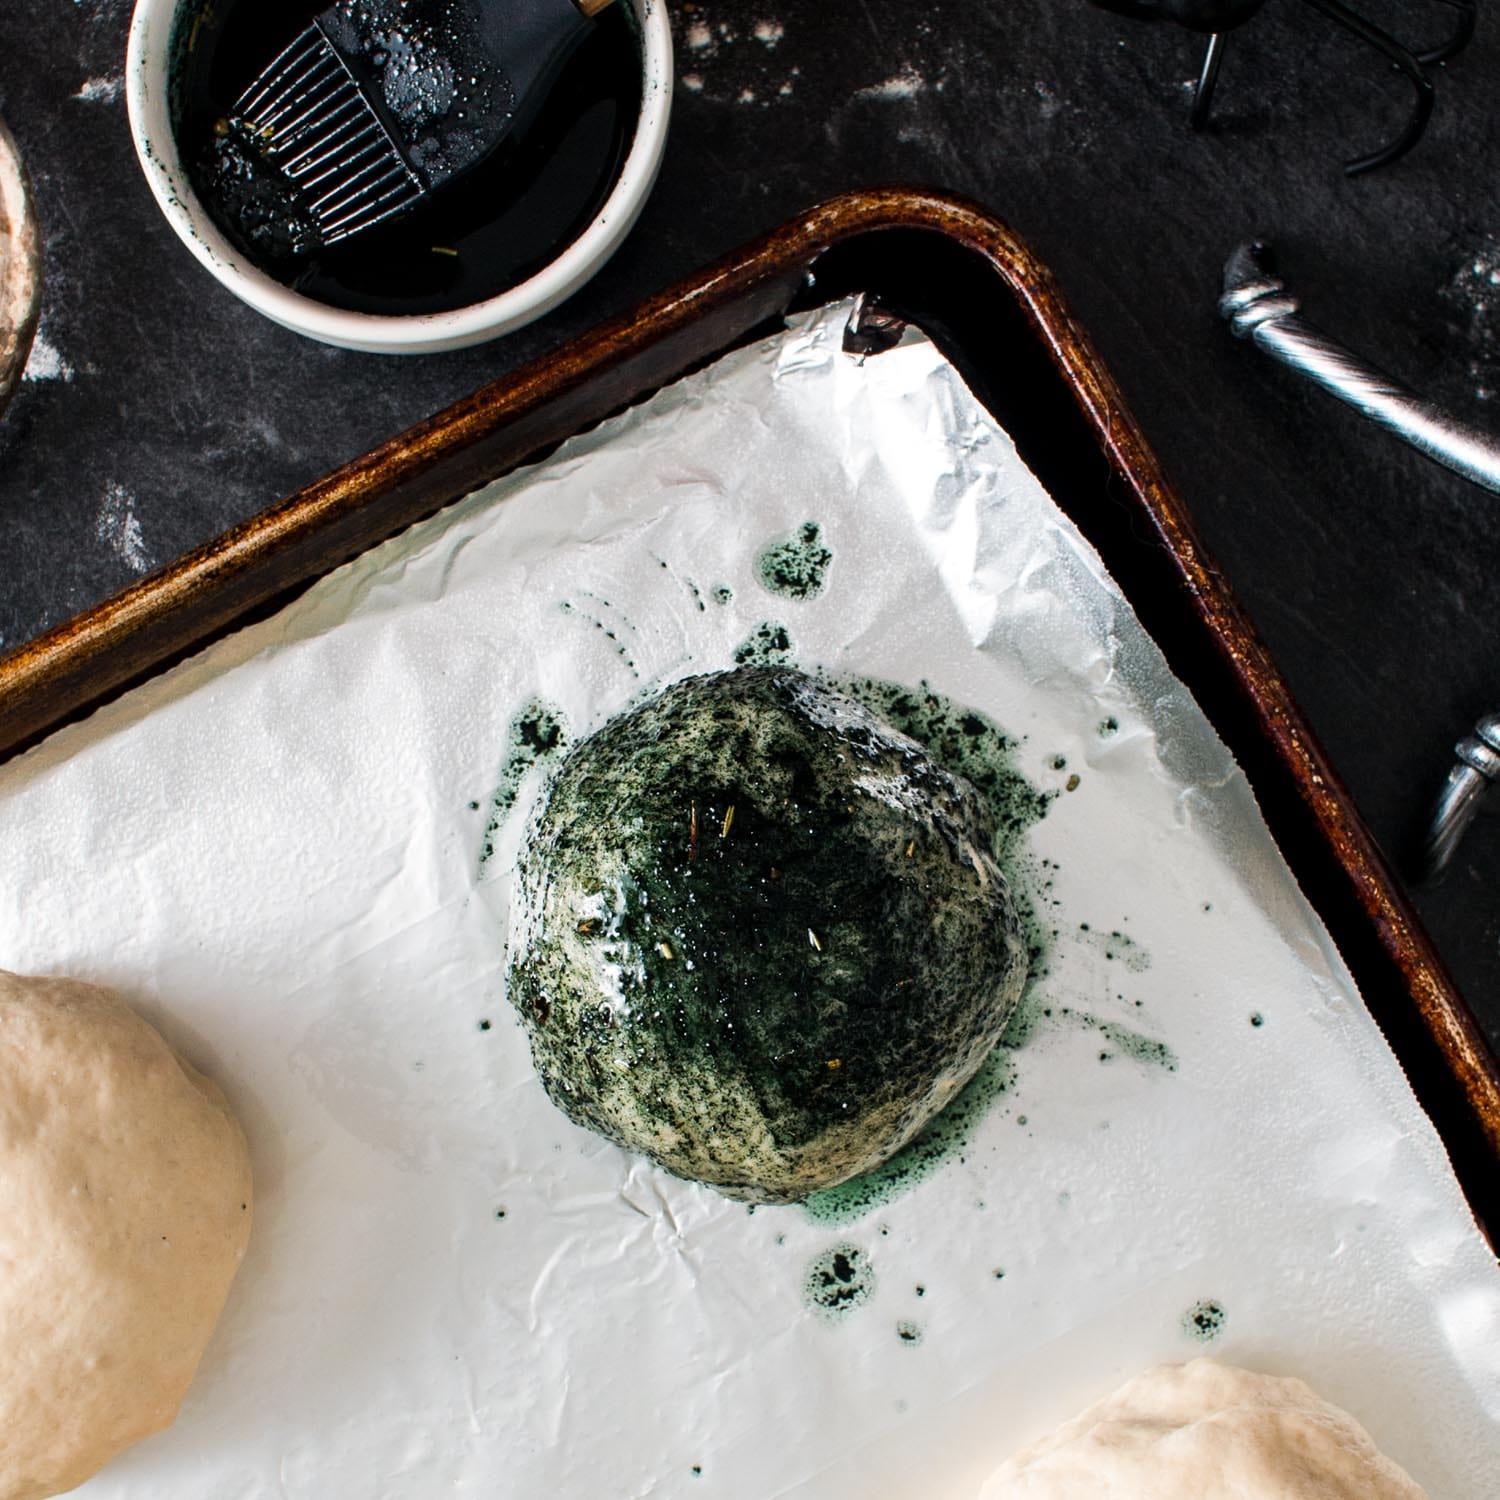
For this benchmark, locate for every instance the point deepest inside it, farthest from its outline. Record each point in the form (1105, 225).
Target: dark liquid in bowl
(486, 232)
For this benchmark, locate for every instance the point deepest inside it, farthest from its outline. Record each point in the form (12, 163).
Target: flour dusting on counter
(46, 361)
(101, 90)
(731, 61)
(1473, 298)
(905, 85)
(118, 527)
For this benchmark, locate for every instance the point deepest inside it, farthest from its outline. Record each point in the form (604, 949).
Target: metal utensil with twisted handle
(1259, 307)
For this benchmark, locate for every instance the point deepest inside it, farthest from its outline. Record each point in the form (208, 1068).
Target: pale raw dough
(1205, 1431)
(124, 1213)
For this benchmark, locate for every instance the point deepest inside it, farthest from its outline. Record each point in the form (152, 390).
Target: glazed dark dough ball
(759, 934)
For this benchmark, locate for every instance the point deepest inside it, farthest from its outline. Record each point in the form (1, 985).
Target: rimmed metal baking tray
(992, 307)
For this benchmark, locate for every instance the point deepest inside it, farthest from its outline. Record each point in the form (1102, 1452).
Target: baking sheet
(277, 848)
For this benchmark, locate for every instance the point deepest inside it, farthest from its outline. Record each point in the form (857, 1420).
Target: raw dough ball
(760, 935)
(1205, 1431)
(124, 1212)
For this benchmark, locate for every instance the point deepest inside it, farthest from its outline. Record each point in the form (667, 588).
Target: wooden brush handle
(592, 7)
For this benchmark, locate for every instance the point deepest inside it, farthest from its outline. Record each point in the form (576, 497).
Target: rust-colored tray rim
(181, 608)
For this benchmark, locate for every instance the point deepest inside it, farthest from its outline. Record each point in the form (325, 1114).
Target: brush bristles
(310, 119)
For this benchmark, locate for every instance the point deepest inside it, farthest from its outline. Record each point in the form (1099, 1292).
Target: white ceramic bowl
(147, 95)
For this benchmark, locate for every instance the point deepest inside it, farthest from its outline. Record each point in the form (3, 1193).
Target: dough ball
(1205, 1431)
(760, 935)
(124, 1213)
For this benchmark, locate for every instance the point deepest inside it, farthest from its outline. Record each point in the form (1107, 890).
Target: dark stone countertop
(160, 410)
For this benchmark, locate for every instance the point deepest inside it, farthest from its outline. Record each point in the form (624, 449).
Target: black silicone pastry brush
(378, 103)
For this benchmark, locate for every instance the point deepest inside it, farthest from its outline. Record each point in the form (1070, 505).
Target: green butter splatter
(769, 645)
(838, 1281)
(1034, 1014)
(604, 627)
(796, 566)
(1204, 1321)
(1117, 947)
(536, 733)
